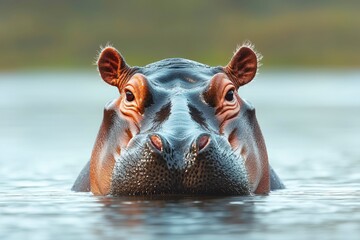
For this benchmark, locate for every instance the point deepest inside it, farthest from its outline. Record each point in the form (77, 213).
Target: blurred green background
(67, 34)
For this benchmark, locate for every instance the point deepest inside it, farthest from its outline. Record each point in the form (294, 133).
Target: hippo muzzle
(178, 127)
(157, 165)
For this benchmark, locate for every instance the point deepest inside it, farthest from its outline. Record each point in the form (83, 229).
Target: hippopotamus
(178, 127)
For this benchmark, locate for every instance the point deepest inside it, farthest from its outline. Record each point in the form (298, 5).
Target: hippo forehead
(174, 73)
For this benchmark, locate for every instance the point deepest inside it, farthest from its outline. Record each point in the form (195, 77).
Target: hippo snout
(164, 165)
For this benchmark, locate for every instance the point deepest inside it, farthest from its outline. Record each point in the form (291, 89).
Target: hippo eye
(229, 95)
(129, 96)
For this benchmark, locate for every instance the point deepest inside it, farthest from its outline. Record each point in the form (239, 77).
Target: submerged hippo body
(178, 127)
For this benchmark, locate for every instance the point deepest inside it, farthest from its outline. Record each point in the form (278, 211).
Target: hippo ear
(112, 67)
(243, 66)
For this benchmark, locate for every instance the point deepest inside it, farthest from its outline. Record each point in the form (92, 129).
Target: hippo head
(179, 127)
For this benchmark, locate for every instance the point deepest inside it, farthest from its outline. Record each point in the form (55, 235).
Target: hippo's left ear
(243, 66)
(113, 68)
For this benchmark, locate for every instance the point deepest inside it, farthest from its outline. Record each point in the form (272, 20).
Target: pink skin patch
(203, 141)
(156, 141)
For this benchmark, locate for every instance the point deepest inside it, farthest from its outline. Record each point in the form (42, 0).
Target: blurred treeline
(289, 33)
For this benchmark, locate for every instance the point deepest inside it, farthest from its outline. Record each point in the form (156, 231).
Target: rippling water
(311, 124)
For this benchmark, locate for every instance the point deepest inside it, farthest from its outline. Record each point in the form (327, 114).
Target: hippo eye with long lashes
(229, 95)
(129, 96)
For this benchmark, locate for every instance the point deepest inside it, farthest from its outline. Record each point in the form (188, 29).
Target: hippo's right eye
(129, 96)
(229, 95)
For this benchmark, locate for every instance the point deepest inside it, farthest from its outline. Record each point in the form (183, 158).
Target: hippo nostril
(156, 142)
(203, 141)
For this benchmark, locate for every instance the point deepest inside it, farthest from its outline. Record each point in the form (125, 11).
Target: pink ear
(112, 67)
(242, 67)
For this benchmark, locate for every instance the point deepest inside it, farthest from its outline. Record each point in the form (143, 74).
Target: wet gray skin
(178, 114)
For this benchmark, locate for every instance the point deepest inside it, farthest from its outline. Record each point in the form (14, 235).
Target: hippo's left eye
(229, 95)
(129, 96)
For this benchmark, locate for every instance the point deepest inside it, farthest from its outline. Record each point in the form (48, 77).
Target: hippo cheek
(246, 140)
(251, 162)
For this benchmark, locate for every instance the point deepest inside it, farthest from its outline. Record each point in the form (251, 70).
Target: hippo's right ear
(112, 67)
(243, 66)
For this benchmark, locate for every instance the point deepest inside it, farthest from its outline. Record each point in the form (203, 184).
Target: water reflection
(179, 214)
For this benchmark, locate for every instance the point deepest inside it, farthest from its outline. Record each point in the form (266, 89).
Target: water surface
(310, 121)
